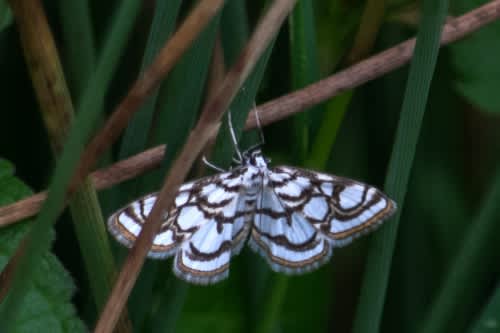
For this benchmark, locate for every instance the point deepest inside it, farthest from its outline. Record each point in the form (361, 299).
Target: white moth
(292, 217)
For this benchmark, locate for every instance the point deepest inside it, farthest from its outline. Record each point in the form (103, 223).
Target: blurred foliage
(476, 72)
(5, 15)
(47, 303)
(351, 135)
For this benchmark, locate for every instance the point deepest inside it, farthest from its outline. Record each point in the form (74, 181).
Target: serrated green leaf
(39, 238)
(47, 305)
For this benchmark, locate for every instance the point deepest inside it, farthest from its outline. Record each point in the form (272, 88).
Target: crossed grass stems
(269, 112)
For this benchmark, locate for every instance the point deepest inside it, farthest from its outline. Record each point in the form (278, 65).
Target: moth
(293, 217)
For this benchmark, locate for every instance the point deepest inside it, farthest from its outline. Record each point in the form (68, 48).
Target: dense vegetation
(426, 133)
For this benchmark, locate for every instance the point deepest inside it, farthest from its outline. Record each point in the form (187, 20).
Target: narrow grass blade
(138, 130)
(327, 132)
(5, 15)
(39, 238)
(373, 291)
(79, 56)
(304, 69)
(489, 321)
(475, 266)
(240, 108)
(84, 207)
(179, 99)
(93, 242)
(234, 33)
(135, 139)
(226, 311)
(271, 309)
(282, 308)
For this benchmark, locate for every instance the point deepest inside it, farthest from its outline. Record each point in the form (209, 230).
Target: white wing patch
(204, 258)
(284, 238)
(339, 208)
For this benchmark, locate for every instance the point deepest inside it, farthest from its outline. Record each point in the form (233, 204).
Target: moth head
(253, 156)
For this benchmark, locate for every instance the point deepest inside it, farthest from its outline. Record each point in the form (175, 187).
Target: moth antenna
(233, 135)
(211, 165)
(257, 120)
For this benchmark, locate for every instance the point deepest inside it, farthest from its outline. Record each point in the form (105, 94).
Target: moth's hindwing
(302, 214)
(208, 223)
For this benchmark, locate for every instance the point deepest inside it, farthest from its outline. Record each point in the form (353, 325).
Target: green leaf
(135, 139)
(234, 16)
(179, 99)
(376, 278)
(137, 132)
(79, 53)
(327, 132)
(304, 69)
(39, 238)
(475, 61)
(240, 108)
(47, 305)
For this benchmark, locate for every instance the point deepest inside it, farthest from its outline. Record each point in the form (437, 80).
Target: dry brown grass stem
(101, 179)
(144, 86)
(207, 126)
(281, 107)
(368, 69)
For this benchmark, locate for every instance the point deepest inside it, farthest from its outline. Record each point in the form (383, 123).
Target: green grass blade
(227, 300)
(327, 132)
(84, 206)
(474, 267)
(240, 108)
(179, 99)
(281, 308)
(79, 53)
(5, 15)
(135, 139)
(373, 291)
(39, 239)
(489, 321)
(271, 309)
(234, 33)
(93, 242)
(137, 132)
(304, 69)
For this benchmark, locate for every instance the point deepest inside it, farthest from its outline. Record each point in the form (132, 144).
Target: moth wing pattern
(205, 227)
(126, 224)
(295, 217)
(286, 240)
(339, 208)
